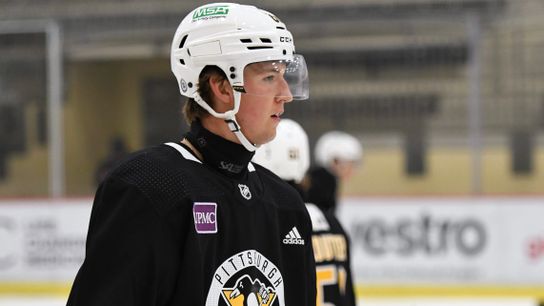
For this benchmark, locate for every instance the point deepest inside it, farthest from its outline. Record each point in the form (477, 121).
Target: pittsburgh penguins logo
(248, 292)
(247, 279)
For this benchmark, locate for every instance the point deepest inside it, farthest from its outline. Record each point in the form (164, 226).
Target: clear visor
(287, 79)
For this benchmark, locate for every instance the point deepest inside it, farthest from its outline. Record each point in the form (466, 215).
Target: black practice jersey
(167, 229)
(332, 258)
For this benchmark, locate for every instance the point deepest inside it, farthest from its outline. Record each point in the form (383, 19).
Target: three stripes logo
(293, 237)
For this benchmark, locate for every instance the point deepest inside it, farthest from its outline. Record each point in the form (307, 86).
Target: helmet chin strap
(230, 119)
(235, 128)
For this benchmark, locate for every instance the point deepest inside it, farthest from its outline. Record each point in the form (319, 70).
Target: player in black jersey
(195, 222)
(337, 154)
(288, 156)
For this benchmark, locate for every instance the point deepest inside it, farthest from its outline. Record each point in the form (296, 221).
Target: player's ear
(222, 92)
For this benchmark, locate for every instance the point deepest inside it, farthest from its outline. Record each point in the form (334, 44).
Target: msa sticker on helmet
(247, 278)
(209, 12)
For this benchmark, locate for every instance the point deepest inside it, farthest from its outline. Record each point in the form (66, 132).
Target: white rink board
(32, 301)
(394, 241)
(468, 241)
(42, 241)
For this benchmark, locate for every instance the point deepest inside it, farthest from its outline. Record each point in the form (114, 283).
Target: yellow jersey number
(329, 275)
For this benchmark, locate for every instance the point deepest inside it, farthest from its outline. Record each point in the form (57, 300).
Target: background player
(337, 154)
(288, 156)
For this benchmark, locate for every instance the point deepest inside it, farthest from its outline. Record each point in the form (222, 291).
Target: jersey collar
(227, 157)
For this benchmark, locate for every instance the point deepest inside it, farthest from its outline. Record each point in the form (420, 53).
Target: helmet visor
(281, 79)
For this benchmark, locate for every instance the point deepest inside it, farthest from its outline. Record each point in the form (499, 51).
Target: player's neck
(190, 145)
(226, 156)
(219, 127)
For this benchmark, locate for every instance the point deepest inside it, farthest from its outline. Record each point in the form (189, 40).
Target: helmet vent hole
(284, 52)
(190, 84)
(281, 28)
(182, 43)
(259, 47)
(266, 40)
(246, 40)
(182, 61)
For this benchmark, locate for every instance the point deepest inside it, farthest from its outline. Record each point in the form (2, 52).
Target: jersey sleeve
(349, 298)
(127, 252)
(310, 260)
(350, 292)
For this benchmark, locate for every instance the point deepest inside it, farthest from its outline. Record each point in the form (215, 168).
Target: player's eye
(269, 78)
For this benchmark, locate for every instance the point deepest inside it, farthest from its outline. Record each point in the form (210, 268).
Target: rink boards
(405, 251)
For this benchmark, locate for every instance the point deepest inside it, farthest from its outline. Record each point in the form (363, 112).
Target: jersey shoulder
(324, 221)
(159, 172)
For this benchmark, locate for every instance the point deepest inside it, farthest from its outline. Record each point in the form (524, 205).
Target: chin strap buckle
(233, 126)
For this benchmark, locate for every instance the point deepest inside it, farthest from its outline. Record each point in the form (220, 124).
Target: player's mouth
(277, 116)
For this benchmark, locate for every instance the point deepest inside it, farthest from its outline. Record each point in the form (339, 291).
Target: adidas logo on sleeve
(293, 237)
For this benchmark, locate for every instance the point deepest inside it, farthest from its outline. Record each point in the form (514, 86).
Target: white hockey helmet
(337, 145)
(288, 155)
(232, 36)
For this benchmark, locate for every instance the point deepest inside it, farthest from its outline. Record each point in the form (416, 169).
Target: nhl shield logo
(244, 190)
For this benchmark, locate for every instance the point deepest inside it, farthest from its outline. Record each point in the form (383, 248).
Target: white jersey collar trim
(188, 155)
(184, 152)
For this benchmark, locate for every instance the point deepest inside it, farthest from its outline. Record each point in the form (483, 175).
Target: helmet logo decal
(183, 85)
(209, 12)
(294, 153)
(244, 191)
(276, 19)
(247, 279)
(286, 39)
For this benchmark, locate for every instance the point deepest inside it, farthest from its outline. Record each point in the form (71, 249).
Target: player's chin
(269, 135)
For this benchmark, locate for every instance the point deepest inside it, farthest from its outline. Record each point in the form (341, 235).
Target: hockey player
(336, 154)
(195, 222)
(288, 156)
